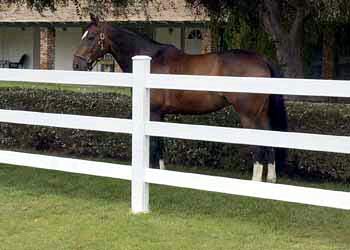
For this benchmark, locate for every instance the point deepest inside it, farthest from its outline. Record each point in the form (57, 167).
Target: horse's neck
(126, 44)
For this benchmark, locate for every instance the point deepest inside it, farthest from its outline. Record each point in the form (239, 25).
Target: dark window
(195, 34)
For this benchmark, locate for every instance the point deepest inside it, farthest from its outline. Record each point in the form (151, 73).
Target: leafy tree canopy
(322, 10)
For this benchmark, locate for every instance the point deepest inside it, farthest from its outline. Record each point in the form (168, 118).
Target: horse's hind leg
(271, 171)
(262, 156)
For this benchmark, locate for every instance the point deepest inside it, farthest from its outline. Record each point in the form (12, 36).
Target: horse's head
(94, 45)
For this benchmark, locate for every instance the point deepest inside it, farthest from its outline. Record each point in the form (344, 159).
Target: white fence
(142, 128)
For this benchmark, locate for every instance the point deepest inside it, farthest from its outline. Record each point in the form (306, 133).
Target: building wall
(14, 42)
(191, 44)
(50, 48)
(168, 35)
(67, 40)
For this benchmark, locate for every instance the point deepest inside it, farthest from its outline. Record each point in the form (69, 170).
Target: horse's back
(230, 63)
(244, 63)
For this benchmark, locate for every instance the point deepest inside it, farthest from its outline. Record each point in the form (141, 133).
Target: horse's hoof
(154, 165)
(271, 180)
(161, 165)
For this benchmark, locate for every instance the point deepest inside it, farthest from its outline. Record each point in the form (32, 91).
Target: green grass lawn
(42, 209)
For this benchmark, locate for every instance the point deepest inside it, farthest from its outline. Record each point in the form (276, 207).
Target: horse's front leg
(156, 153)
(156, 146)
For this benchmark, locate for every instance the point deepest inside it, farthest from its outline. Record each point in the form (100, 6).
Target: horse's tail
(278, 121)
(275, 71)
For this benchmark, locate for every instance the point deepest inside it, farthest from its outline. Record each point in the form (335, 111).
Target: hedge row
(303, 117)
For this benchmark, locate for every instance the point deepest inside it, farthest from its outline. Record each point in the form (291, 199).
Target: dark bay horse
(258, 111)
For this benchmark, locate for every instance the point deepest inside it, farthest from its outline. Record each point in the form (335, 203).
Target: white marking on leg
(271, 173)
(257, 172)
(161, 164)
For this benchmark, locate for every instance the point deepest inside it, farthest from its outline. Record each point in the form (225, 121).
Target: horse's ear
(94, 18)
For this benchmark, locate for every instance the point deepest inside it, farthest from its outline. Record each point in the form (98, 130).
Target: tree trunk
(289, 44)
(328, 63)
(290, 57)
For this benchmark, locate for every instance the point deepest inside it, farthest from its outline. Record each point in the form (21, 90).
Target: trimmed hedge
(303, 117)
(66, 141)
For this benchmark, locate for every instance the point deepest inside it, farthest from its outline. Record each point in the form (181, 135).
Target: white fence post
(140, 142)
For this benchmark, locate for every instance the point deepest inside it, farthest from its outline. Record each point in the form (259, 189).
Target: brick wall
(47, 48)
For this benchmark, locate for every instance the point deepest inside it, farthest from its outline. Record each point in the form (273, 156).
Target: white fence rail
(142, 128)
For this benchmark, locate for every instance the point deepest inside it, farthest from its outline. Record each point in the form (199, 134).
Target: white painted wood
(142, 128)
(285, 86)
(104, 124)
(310, 196)
(303, 141)
(140, 142)
(67, 77)
(66, 164)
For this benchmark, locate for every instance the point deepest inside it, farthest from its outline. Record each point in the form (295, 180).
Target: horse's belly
(188, 102)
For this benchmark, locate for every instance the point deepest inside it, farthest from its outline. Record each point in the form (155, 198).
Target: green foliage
(331, 11)
(242, 24)
(238, 34)
(312, 44)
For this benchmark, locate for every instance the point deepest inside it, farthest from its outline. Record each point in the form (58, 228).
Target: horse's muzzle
(81, 64)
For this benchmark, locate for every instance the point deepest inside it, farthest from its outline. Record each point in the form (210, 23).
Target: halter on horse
(257, 111)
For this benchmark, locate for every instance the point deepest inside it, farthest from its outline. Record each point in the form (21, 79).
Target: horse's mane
(240, 52)
(90, 25)
(141, 35)
(136, 34)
